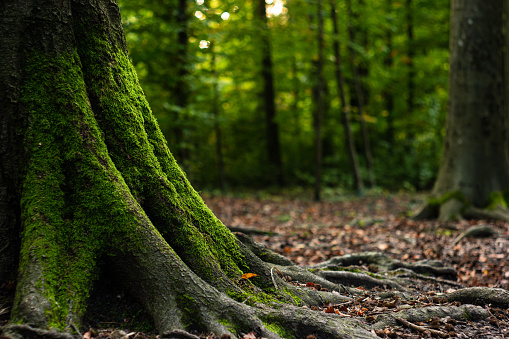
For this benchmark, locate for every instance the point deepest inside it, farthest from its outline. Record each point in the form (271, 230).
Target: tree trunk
(410, 54)
(359, 94)
(345, 109)
(319, 97)
(473, 180)
(269, 98)
(217, 125)
(387, 93)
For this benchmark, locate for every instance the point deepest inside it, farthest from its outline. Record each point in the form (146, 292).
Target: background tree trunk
(474, 173)
(359, 95)
(319, 110)
(345, 109)
(216, 108)
(269, 97)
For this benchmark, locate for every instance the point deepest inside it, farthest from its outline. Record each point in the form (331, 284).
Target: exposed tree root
(482, 231)
(481, 296)
(455, 209)
(420, 328)
(29, 332)
(464, 312)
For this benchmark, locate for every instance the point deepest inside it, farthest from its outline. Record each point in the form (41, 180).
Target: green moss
(232, 327)
(439, 201)
(190, 313)
(55, 247)
(273, 325)
(497, 200)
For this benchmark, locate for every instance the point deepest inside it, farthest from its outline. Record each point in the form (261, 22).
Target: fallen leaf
(249, 275)
(330, 309)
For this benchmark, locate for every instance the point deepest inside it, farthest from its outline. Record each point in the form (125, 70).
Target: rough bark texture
(92, 185)
(474, 173)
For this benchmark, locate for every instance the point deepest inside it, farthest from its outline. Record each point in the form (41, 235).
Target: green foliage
(225, 93)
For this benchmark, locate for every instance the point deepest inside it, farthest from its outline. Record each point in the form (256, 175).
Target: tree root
(481, 296)
(420, 328)
(463, 312)
(454, 209)
(29, 332)
(482, 231)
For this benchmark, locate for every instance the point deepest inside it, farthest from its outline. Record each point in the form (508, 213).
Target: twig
(272, 276)
(76, 329)
(420, 328)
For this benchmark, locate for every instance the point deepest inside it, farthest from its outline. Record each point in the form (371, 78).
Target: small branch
(420, 328)
(272, 275)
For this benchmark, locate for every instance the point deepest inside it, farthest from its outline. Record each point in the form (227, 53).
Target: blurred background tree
(204, 67)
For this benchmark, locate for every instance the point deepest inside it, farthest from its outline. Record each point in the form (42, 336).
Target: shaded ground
(308, 233)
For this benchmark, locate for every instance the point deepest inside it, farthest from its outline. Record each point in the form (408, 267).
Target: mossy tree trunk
(474, 174)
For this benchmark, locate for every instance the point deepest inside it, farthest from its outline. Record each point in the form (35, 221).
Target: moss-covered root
(455, 206)
(496, 213)
(293, 322)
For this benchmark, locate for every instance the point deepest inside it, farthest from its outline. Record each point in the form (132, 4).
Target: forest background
(209, 68)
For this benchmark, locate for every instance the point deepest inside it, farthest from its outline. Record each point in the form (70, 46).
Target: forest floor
(310, 232)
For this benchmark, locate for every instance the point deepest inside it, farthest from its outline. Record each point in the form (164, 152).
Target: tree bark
(474, 174)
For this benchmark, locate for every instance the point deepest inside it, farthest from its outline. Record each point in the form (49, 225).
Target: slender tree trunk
(387, 93)
(345, 119)
(473, 180)
(411, 55)
(269, 98)
(217, 125)
(318, 116)
(360, 96)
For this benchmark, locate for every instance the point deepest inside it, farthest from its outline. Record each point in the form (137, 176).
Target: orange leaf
(249, 275)
(330, 309)
(310, 284)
